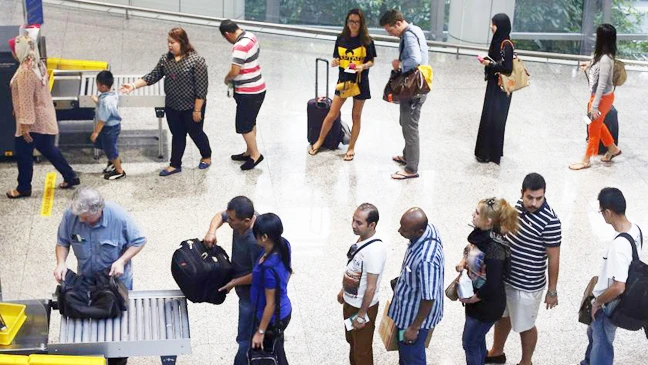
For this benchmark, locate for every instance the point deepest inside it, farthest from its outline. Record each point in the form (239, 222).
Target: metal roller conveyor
(156, 324)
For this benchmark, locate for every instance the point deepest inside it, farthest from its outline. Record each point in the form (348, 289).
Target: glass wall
(562, 26)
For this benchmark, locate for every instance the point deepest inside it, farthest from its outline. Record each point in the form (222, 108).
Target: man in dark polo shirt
(240, 216)
(535, 250)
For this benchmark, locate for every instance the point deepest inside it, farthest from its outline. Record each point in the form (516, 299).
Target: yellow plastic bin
(65, 360)
(65, 64)
(14, 317)
(14, 360)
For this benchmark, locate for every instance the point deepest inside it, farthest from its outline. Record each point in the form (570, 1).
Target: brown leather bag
(451, 291)
(585, 311)
(404, 86)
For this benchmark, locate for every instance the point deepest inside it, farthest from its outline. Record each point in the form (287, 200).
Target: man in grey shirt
(240, 216)
(413, 51)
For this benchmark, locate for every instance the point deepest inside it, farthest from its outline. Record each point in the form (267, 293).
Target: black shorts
(365, 93)
(247, 109)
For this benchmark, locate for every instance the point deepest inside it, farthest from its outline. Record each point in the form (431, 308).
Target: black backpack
(95, 297)
(632, 311)
(200, 271)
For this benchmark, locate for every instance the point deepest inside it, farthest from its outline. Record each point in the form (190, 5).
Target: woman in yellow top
(354, 51)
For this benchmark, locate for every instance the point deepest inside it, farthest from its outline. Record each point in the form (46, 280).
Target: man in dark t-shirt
(240, 216)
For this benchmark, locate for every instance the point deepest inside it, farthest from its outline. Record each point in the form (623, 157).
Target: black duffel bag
(200, 271)
(97, 297)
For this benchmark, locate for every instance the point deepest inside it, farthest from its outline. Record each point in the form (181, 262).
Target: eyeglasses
(356, 22)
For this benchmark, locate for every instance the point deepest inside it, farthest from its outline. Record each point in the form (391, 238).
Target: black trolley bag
(317, 110)
(200, 271)
(612, 123)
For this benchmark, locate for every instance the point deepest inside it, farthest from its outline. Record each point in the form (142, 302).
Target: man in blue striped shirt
(417, 306)
(536, 242)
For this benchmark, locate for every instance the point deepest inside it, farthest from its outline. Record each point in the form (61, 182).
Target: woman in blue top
(270, 277)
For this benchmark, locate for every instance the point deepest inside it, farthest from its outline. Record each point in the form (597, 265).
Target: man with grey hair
(102, 234)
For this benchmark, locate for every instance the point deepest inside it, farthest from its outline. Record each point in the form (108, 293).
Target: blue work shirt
(97, 248)
(107, 109)
(413, 48)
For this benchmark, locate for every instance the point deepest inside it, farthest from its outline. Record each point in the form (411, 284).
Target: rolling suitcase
(200, 271)
(612, 123)
(317, 110)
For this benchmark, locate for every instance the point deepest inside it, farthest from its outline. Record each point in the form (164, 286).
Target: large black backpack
(200, 271)
(632, 311)
(95, 297)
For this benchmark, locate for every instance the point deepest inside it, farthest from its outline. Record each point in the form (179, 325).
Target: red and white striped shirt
(245, 53)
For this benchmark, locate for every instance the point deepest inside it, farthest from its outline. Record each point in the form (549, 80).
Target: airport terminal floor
(316, 196)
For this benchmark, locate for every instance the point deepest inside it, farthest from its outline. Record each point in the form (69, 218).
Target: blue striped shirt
(421, 278)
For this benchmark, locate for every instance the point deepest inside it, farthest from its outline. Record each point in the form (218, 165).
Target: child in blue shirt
(108, 125)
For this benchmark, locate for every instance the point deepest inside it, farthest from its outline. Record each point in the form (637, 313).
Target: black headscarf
(503, 24)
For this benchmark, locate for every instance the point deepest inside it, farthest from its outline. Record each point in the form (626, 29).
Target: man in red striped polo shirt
(249, 88)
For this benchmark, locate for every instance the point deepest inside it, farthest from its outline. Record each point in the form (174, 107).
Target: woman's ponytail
(508, 217)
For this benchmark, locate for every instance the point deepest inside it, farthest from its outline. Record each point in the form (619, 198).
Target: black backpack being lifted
(95, 297)
(632, 311)
(200, 271)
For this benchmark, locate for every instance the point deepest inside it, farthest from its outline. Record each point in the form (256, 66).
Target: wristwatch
(261, 332)
(361, 320)
(552, 293)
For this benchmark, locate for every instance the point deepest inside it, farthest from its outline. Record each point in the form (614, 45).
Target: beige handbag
(389, 332)
(451, 291)
(519, 77)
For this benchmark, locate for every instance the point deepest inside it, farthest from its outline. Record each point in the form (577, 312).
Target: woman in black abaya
(490, 139)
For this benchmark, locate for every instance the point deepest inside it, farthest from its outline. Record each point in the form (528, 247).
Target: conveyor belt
(156, 324)
(145, 97)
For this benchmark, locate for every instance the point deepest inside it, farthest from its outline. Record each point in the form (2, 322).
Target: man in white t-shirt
(359, 294)
(612, 277)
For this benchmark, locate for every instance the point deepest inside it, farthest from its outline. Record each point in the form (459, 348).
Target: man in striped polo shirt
(249, 88)
(417, 306)
(537, 239)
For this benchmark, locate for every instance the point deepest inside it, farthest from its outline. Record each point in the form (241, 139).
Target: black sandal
(18, 195)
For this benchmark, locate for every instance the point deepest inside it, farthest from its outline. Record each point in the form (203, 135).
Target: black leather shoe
(250, 163)
(240, 157)
(482, 160)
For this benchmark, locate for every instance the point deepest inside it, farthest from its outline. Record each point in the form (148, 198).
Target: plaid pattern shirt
(185, 80)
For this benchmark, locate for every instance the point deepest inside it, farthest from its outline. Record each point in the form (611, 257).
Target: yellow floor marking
(48, 194)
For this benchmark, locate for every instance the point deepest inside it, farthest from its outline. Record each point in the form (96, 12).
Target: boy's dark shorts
(107, 141)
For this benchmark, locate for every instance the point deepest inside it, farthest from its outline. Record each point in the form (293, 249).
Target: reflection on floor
(316, 196)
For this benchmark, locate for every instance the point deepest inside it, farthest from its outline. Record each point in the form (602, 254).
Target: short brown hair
(179, 35)
(391, 17)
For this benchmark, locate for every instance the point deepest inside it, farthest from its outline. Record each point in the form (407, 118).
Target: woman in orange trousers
(600, 74)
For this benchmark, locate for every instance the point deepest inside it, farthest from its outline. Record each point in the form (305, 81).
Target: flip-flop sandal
(399, 160)
(349, 156)
(203, 165)
(611, 156)
(70, 184)
(312, 151)
(15, 194)
(400, 176)
(580, 166)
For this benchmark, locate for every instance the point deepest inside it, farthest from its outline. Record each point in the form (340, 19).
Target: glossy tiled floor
(316, 196)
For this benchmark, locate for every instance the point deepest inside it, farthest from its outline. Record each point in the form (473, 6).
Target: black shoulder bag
(263, 356)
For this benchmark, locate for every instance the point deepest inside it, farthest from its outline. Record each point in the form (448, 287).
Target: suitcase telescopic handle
(317, 62)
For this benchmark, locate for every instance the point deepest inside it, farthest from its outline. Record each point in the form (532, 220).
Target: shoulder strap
(400, 51)
(361, 247)
(507, 40)
(633, 244)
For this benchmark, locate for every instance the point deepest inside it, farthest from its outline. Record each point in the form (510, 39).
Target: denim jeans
(246, 316)
(24, 156)
(474, 340)
(413, 354)
(600, 349)
(107, 141)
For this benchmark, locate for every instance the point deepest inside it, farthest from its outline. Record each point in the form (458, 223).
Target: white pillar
(470, 19)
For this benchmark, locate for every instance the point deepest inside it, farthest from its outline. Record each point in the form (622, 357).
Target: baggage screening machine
(156, 324)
